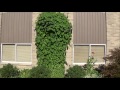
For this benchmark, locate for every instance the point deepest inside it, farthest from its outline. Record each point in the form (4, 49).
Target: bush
(100, 69)
(114, 57)
(53, 34)
(39, 72)
(75, 72)
(112, 70)
(25, 73)
(86, 71)
(9, 71)
(90, 71)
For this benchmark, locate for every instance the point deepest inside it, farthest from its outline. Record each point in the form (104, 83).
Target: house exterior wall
(11, 33)
(113, 36)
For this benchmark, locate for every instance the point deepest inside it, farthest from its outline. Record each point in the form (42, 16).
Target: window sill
(86, 63)
(16, 63)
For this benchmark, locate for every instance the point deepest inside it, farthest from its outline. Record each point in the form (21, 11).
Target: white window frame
(16, 62)
(89, 45)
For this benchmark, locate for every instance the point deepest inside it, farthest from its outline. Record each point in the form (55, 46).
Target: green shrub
(25, 73)
(112, 70)
(86, 71)
(9, 71)
(53, 35)
(40, 72)
(90, 71)
(75, 72)
(100, 69)
(114, 57)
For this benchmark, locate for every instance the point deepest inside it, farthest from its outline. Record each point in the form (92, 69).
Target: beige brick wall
(69, 52)
(34, 54)
(113, 30)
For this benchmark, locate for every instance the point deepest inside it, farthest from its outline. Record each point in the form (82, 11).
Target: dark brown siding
(89, 28)
(17, 27)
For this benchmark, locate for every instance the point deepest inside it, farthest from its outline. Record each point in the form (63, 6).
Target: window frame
(89, 45)
(16, 62)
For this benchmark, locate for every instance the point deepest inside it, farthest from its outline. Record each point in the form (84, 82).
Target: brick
(113, 30)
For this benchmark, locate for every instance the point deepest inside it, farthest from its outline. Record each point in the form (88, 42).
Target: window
(16, 38)
(89, 36)
(16, 53)
(82, 53)
(23, 53)
(8, 52)
(99, 52)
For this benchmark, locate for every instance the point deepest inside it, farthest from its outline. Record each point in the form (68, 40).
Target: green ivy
(54, 33)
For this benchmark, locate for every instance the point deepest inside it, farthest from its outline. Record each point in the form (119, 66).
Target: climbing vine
(54, 33)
